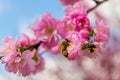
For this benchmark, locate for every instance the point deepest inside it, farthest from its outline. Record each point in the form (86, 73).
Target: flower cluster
(81, 38)
(71, 36)
(19, 57)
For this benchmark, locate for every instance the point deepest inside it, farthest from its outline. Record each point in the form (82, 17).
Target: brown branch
(98, 3)
(1, 57)
(34, 46)
(30, 47)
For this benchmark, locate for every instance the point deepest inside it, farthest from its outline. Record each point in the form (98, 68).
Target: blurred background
(17, 16)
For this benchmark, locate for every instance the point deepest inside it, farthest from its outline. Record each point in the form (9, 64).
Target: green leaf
(92, 33)
(21, 49)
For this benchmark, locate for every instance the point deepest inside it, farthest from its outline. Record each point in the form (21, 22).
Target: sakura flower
(78, 7)
(76, 17)
(27, 63)
(66, 2)
(102, 32)
(52, 44)
(85, 34)
(8, 50)
(46, 31)
(32, 63)
(91, 49)
(45, 27)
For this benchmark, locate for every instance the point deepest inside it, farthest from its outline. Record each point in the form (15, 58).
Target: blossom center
(81, 22)
(49, 30)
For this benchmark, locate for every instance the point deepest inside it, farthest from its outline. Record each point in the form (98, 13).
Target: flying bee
(64, 46)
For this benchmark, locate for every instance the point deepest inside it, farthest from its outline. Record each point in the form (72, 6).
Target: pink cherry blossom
(9, 48)
(80, 22)
(102, 32)
(45, 27)
(63, 29)
(93, 50)
(46, 30)
(25, 40)
(29, 62)
(68, 2)
(32, 63)
(85, 34)
(51, 44)
(75, 16)
(100, 37)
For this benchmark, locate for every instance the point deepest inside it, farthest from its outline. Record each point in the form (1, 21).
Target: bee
(90, 47)
(64, 46)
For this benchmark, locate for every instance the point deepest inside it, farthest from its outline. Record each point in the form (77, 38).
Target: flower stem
(98, 3)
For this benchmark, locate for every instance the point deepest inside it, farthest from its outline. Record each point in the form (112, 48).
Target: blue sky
(16, 13)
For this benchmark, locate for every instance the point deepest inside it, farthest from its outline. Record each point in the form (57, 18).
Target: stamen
(69, 27)
(49, 30)
(93, 55)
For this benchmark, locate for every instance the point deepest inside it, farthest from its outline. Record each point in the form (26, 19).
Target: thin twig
(32, 46)
(1, 57)
(98, 3)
